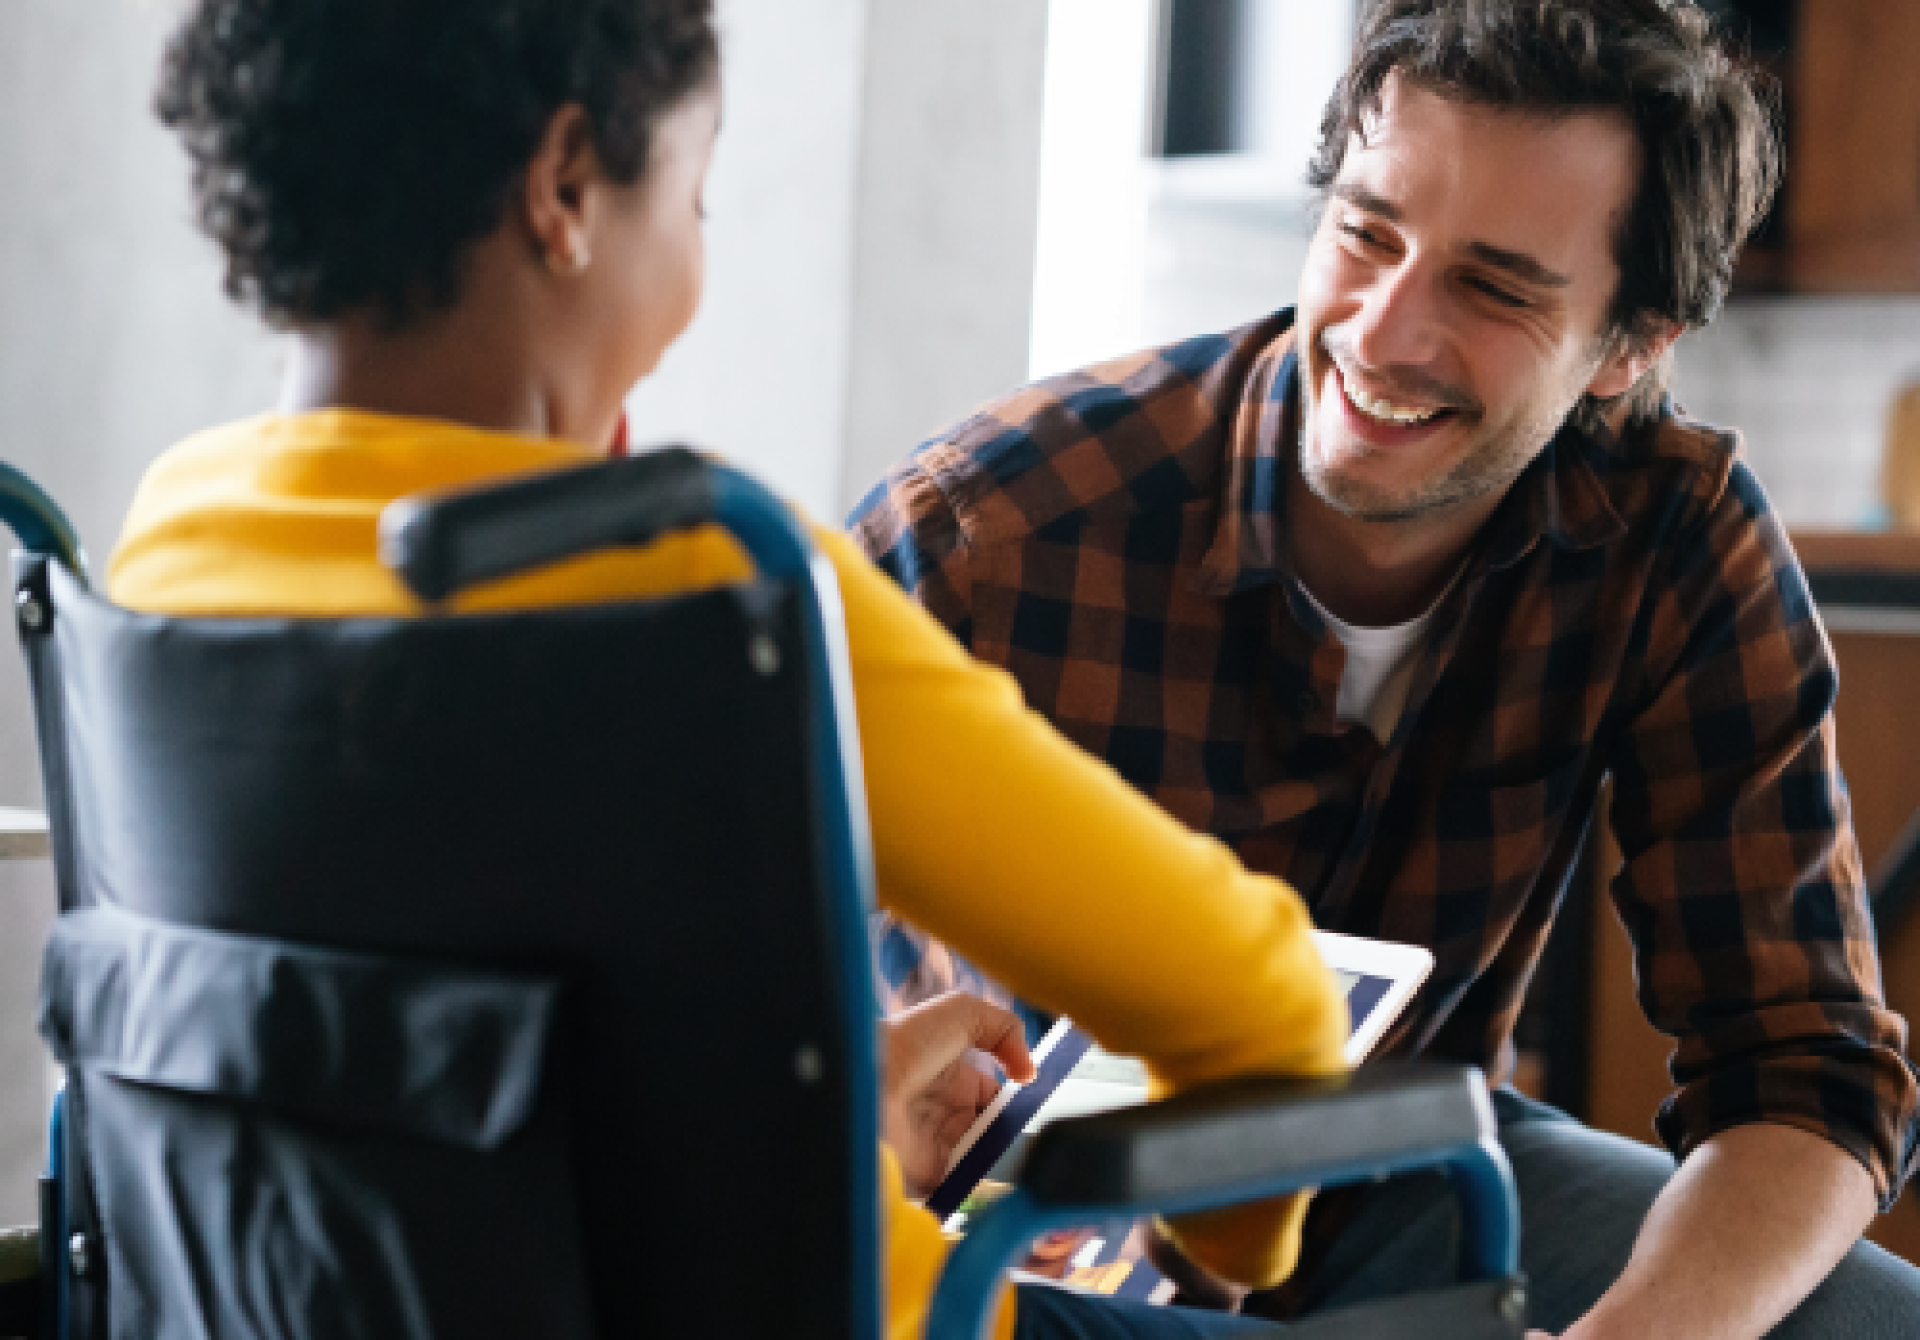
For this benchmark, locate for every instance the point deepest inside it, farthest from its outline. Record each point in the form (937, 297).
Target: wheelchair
(417, 977)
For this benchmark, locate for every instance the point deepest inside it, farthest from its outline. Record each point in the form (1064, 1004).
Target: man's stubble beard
(1490, 466)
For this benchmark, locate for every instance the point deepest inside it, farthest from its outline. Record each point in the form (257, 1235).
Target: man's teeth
(1386, 410)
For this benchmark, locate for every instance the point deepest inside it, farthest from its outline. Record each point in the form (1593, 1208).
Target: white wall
(1094, 182)
(1227, 236)
(871, 219)
(1294, 51)
(761, 375)
(1808, 382)
(1136, 251)
(944, 244)
(114, 341)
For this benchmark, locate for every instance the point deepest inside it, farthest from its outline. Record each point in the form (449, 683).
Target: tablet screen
(1364, 994)
(1073, 1078)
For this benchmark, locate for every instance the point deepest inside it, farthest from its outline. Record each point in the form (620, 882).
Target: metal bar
(780, 548)
(1489, 1212)
(53, 1223)
(963, 1300)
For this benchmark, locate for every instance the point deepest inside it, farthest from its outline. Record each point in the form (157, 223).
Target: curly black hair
(347, 154)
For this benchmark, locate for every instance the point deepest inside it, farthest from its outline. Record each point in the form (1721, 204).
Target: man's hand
(931, 1088)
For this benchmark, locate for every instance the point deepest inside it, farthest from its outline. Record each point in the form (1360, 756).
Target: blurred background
(917, 206)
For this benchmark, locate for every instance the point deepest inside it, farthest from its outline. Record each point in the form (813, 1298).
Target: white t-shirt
(1379, 671)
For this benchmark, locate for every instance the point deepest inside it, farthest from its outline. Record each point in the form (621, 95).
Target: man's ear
(1630, 355)
(555, 194)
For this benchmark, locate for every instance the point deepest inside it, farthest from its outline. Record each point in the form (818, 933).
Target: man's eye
(1360, 233)
(1498, 294)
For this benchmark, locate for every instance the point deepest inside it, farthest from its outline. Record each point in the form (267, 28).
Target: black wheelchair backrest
(536, 1018)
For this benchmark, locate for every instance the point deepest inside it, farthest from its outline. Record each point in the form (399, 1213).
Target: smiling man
(1381, 588)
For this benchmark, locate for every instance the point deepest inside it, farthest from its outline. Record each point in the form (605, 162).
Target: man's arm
(1754, 946)
(1753, 1221)
(910, 530)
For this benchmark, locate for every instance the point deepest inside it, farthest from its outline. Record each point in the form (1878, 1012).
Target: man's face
(1454, 300)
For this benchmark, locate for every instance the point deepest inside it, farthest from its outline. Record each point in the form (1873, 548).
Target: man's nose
(1398, 321)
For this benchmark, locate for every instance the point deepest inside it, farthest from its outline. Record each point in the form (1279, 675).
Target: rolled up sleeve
(1742, 887)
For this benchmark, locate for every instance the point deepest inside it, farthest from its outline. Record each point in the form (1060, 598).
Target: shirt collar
(1558, 497)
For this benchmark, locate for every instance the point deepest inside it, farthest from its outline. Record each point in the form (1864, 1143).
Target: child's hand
(931, 1088)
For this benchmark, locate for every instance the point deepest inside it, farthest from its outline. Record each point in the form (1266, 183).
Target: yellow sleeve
(915, 1253)
(1035, 860)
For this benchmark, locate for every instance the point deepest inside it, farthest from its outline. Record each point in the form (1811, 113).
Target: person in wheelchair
(481, 225)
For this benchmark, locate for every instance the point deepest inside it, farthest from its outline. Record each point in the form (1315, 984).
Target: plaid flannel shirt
(1114, 539)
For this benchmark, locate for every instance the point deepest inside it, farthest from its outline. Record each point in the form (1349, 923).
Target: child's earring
(568, 261)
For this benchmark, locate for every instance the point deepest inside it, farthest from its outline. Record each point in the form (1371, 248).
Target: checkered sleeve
(1742, 887)
(911, 531)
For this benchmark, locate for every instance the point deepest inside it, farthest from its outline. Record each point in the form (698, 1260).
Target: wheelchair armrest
(1247, 1140)
(1211, 1145)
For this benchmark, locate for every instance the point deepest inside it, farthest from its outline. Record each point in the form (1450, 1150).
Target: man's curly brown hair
(347, 154)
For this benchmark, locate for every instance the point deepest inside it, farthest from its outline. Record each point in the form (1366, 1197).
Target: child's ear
(554, 192)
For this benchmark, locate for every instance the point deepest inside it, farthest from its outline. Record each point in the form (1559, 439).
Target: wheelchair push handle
(444, 544)
(37, 521)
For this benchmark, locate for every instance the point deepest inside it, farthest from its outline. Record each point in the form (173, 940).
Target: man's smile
(1382, 419)
(1386, 410)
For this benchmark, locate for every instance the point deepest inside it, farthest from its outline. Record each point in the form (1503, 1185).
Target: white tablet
(1380, 978)
(1074, 1078)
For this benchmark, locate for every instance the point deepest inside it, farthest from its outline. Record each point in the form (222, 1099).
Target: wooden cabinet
(1853, 183)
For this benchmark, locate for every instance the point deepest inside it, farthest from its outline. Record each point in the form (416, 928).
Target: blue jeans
(1583, 1197)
